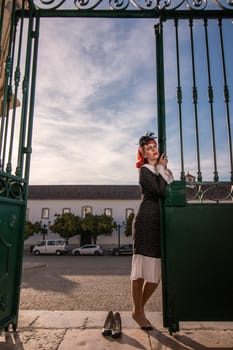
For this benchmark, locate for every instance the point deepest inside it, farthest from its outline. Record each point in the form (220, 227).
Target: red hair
(140, 158)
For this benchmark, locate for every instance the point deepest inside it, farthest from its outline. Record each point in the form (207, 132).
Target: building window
(45, 213)
(86, 210)
(66, 210)
(128, 212)
(108, 211)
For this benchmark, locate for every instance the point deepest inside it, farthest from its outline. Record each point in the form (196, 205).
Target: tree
(66, 225)
(98, 225)
(128, 226)
(31, 228)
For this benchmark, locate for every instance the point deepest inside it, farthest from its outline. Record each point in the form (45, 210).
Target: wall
(56, 206)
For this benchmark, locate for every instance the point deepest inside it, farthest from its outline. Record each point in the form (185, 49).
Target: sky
(96, 95)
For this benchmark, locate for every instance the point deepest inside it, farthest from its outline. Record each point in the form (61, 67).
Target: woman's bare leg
(147, 291)
(137, 296)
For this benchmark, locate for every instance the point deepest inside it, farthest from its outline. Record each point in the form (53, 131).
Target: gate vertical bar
(26, 81)
(195, 100)
(226, 97)
(9, 98)
(16, 82)
(1, 25)
(162, 147)
(28, 148)
(160, 87)
(211, 99)
(179, 101)
(8, 69)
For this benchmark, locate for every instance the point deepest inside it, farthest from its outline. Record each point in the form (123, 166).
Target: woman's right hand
(163, 160)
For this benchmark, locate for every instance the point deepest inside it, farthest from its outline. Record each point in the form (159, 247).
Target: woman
(146, 263)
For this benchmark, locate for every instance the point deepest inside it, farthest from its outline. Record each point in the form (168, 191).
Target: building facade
(118, 201)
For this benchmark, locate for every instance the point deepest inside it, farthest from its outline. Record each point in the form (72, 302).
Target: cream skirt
(146, 267)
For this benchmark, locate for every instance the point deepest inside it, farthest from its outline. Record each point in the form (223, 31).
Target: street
(89, 283)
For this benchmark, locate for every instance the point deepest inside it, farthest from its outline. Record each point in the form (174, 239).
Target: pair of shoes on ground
(112, 325)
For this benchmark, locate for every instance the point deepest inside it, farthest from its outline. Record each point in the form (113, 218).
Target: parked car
(125, 249)
(88, 249)
(51, 246)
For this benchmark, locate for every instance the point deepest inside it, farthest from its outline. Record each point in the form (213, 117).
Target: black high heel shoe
(108, 324)
(116, 328)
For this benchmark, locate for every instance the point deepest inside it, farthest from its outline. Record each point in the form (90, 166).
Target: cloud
(95, 97)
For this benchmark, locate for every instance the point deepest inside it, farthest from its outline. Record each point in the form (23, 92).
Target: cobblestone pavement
(66, 283)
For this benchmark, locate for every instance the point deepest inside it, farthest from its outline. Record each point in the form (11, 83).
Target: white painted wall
(56, 207)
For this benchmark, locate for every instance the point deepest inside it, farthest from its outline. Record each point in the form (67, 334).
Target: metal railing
(200, 90)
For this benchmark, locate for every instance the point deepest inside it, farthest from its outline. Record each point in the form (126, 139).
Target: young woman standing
(146, 261)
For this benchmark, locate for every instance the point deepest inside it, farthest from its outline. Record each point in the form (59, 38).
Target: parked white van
(51, 246)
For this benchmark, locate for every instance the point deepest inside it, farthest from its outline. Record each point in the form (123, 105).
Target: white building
(118, 201)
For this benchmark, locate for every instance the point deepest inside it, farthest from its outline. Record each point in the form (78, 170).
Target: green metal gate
(17, 86)
(197, 260)
(197, 213)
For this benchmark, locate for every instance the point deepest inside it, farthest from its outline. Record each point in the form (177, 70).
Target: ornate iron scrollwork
(156, 5)
(225, 4)
(86, 4)
(216, 192)
(12, 187)
(197, 4)
(16, 190)
(118, 4)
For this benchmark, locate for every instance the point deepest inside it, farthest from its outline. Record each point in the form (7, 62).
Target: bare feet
(141, 320)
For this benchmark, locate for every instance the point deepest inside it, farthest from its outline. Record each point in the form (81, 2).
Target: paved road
(79, 283)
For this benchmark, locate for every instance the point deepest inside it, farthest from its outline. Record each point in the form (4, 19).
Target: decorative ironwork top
(12, 187)
(216, 192)
(137, 5)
